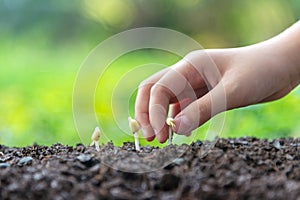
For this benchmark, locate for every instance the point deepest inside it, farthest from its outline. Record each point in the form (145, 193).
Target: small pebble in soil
(87, 160)
(4, 165)
(25, 161)
(277, 144)
(84, 158)
(179, 161)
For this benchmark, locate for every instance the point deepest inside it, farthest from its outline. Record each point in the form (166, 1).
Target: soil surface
(244, 168)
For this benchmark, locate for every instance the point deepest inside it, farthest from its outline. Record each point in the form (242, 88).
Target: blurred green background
(43, 44)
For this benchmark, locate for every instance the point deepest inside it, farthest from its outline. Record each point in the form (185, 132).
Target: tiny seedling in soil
(171, 124)
(135, 127)
(95, 138)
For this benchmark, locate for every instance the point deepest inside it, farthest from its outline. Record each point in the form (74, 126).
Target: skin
(207, 82)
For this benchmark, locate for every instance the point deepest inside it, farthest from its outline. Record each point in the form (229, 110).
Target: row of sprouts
(134, 127)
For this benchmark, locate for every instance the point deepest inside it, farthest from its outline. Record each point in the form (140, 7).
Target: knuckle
(142, 118)
(145, 83)
(138, 117)
(156, 89)
(195, 54)
(150, 81)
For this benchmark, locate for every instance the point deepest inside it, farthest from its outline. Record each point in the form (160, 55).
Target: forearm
(282, 52)
(248, 75)
(287, 44)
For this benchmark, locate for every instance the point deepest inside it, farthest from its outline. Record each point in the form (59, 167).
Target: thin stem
(170, 135)
(97, 146)
(171, 124)
(136, 141)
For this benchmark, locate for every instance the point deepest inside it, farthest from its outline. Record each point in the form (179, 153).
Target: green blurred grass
(36, 84)
(40, 57)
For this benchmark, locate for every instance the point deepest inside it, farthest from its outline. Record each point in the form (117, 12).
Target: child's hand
(235, 78)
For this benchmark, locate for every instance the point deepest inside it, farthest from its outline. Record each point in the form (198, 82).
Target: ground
(243, 168)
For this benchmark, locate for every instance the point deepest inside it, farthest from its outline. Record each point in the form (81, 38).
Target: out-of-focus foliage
(43, 43)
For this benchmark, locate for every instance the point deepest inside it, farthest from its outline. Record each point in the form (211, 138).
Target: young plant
(135, 127)
(171, 124)
(95, 138)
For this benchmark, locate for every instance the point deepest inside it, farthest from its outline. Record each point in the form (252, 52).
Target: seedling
(171, 124)
(95, 138)
(135, 127)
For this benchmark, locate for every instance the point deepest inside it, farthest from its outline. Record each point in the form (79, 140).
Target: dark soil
(245, 168)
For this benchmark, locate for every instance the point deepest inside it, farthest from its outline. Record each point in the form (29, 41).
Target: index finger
(171, 85)
(142, 104)
(181, 81)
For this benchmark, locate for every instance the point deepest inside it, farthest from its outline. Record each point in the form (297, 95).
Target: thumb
(201, 110)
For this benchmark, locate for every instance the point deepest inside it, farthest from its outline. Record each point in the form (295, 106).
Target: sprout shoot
(171, 124)
(95, 138)
(135, 127)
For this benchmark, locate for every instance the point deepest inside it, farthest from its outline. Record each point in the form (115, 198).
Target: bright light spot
(113, 13)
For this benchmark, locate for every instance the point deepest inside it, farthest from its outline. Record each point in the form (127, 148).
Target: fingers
(176, 107)
(172, 84)
(201, 110)
(153, 100)
(141, 114)
(142, 104)
(180, 81)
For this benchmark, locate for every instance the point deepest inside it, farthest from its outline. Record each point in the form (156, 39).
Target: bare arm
(258, 73)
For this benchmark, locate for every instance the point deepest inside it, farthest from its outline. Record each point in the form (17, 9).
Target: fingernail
(188, 134)
(157, 116)
(184, 125)
(148, 133)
